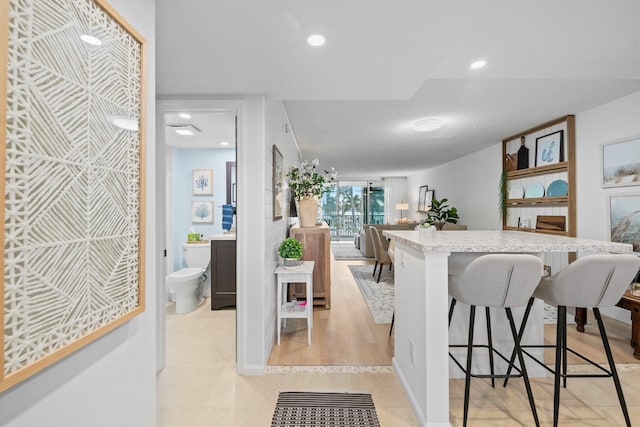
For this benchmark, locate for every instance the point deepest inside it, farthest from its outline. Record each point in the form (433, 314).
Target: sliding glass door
(349, 206)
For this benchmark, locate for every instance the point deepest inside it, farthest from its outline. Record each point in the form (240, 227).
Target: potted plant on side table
(291, 251)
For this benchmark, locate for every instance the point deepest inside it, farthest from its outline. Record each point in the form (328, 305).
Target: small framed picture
(202, 182)
(550, 149)
(422, 197)
(428, 199)
(621, 163)
(624, 219)
(277, 184)
(202, 212)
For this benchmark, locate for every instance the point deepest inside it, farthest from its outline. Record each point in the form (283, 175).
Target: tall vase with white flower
(308, 185)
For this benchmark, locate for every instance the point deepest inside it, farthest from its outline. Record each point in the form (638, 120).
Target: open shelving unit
(517, 209)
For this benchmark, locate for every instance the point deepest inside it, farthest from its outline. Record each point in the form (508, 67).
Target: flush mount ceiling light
(94, 41)
(185, 129)
(316, 40)
(224, 142)
(478, 64)
(127, 124)
(427, 125)
(184, 115)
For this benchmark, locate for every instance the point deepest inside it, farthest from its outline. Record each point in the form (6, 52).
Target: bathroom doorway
(193, 138)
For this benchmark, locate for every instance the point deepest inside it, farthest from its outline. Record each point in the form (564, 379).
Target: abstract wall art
(72, 165)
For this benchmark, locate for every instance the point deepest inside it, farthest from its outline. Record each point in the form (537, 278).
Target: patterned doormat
(298, 408)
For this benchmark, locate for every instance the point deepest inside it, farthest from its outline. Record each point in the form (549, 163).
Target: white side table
(304, 273)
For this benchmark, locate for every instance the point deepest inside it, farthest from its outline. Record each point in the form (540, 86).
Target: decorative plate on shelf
(534, 189)
(557, 188)
(516, 191)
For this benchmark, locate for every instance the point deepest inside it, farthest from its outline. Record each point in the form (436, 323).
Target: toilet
(185, 285)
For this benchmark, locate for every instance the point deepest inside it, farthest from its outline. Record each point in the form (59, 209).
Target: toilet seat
(185, 274)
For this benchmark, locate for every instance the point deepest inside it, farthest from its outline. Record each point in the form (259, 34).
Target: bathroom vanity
(223, 271)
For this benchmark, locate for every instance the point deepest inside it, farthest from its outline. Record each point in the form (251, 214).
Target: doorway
(191, 136)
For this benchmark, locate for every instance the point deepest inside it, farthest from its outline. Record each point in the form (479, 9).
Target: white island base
(421, 305)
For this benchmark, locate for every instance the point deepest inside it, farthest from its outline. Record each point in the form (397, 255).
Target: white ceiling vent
(185, 129)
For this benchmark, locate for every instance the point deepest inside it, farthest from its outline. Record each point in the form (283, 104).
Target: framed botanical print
(277, 184)
(202, 182)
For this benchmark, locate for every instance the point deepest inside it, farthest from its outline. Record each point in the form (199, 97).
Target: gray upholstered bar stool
(497, 280)
(593, 281)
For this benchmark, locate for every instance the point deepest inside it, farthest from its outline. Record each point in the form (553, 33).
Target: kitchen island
(422, 265)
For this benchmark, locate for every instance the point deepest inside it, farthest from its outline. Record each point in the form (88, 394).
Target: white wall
(262, 125)
(276, 134)
(110, 382)
(471, 185)
(607, 123)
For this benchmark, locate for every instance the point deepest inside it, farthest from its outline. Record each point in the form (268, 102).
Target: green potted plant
(440, 213)
(291, 251)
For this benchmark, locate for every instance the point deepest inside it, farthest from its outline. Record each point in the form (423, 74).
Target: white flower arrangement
(305, 181)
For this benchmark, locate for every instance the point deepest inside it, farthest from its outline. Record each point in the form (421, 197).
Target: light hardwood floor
(343, 335)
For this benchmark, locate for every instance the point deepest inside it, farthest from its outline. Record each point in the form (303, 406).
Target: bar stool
(497, 280)
(594, 281)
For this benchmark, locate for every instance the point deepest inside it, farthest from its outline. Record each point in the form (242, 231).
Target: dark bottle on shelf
(523, 155)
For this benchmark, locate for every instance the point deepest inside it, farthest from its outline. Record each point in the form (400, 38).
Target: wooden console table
(317, 247)
(629, 302)
(632, 303)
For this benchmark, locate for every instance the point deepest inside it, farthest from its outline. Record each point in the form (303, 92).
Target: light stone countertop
(224, 236)
(500, 241)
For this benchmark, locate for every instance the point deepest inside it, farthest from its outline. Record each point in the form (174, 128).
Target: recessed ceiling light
(184, 115)
(94, 41)
(316, 40)
(478, 64)
(184, 132)
(127, 124)
(427, 125)
(224, 142)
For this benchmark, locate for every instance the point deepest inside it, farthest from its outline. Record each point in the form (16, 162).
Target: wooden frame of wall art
(277, 184)
(624, 219)
(202, 182)
(72, 131)
(621, 163)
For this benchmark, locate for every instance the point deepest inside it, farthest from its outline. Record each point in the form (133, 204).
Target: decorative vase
(438, 225)
(291, 263)
(308, 211)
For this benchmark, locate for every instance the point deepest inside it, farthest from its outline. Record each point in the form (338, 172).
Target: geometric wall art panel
(72, 165)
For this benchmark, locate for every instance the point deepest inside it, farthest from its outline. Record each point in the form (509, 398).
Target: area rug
(378, 296)
(551, 316)
(298, 408)
(345, 250)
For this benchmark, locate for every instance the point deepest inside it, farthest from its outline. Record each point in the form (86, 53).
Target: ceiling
(210, 129)
(385, 64)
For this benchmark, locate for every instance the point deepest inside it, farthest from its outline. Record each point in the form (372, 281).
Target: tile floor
(199, 387)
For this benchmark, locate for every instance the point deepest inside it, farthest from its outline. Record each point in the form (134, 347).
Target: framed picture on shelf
(621, 163)
(277, 184)
(202, 182)
(429, 198)
(202, 212)
(550, 149)
(422, 198)
(624, 219)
